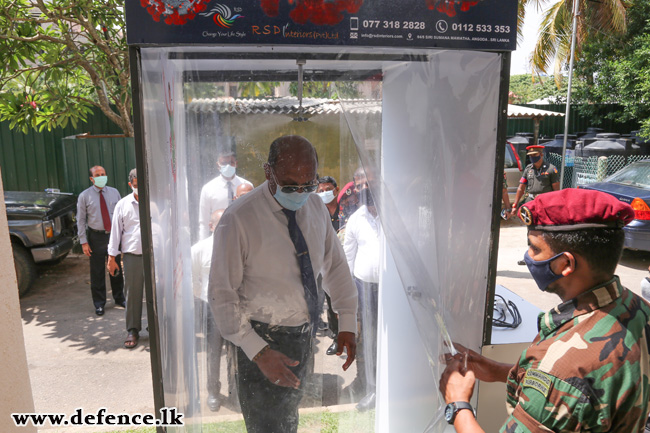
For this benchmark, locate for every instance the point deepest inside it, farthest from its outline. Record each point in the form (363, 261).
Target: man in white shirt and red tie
(221, 191)
(362, 248)
(268, 247)
(95, 207)
(125, 237)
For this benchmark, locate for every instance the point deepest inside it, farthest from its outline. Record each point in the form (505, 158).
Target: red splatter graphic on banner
(175, 12)
(449, 6)
(318, 12)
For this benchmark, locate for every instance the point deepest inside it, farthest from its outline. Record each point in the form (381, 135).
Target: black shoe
(99, 311)
(332, 349)
(121, 304)
(366, 403)
(213, 403)
(521, 263)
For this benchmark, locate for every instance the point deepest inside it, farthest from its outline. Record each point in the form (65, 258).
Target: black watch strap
(453, 408)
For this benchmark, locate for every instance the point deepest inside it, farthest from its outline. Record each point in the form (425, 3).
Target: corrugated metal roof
(517, 111)
(285, 105)
(314, 106)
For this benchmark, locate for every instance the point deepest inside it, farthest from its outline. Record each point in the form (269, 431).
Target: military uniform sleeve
(547, 403)
(553, 174)
(524, 175)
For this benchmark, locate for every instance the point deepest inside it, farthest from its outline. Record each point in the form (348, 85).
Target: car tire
(25, 268)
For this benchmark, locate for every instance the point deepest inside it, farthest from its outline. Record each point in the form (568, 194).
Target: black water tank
(606, 144)
(590, 133)
(520, 141)
(555, 146)
(643, 143)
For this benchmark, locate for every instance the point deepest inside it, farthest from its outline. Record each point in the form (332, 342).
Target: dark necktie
(106, 218)
(231, 194)
(306, 271)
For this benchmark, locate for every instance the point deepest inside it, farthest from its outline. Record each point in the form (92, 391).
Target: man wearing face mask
(362, 248)
(587, 369)
(268, 248)
(95, 208)
(538, 177)
(221, 191)
(125, 237)
(328, 191)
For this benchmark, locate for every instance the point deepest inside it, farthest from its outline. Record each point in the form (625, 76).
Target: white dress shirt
(125, 231)
(89, 211)
(201, 258)
(362, 246)
(214, 196)
(255, 273)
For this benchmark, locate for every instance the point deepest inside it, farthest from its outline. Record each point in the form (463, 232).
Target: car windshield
(637, 174)
(511, 160)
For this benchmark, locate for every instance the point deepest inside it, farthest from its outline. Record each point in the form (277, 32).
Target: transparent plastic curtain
(170, 214)
(428, 150)
(433, 182)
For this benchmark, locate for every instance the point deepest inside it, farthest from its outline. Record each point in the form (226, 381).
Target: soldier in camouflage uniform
(588, 369)
(538, 177)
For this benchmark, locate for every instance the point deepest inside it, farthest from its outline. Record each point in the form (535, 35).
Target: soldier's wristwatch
(453, 408)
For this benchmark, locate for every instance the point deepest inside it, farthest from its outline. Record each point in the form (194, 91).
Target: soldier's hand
(456, 384)
(86, 249)
(483, 368)
(348, 341)
(275, 365)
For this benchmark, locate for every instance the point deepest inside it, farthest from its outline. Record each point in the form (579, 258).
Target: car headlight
(48, 229)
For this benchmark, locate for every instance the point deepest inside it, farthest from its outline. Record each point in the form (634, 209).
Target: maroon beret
(575, 209)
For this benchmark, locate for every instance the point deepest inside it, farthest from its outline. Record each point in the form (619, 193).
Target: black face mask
(365, 197)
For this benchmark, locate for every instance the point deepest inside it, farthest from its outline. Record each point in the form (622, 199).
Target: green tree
(60, 58)
(553, 46)
(525, 88)
(616, 69)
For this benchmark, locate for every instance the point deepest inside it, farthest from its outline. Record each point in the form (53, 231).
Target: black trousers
(98, 243)
(269, 408)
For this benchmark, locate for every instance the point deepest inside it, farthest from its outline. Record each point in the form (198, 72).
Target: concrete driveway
(76, 359)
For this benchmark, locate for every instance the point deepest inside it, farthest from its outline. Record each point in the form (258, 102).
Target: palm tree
(554, 38)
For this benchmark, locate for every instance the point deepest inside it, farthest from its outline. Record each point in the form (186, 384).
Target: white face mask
(326, 196)
(227, 170)
(135, 190)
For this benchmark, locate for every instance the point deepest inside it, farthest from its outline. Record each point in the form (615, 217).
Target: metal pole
(576, 5)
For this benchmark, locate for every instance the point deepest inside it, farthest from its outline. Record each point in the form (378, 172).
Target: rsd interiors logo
(222, 16)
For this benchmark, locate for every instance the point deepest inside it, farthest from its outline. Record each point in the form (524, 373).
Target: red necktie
(105, 216)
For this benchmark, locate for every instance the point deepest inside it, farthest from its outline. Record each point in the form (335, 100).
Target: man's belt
(297, 330)
(103, 232)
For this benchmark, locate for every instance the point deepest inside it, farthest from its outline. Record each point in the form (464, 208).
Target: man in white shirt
(125, 237)
(268, 247)
(201, 259)
(220, 192)
(362, 248)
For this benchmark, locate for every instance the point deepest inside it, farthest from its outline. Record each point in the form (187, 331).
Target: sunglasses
(288, 189)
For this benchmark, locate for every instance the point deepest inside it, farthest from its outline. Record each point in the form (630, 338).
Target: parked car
(42, 230)
(631, 185)
(513, 169)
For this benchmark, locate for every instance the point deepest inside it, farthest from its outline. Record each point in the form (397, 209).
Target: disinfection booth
(411, 94)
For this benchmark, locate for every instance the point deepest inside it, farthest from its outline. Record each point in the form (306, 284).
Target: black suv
(42, 230)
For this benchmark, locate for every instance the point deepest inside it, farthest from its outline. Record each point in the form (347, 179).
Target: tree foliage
(60, 58)
(525, 88)
(553, 46)
(616, 69)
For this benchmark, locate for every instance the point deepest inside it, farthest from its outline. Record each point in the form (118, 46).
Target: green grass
(318, 422)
